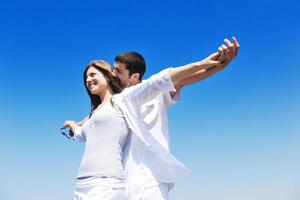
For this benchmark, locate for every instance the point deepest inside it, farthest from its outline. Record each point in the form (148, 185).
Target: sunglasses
(67, 135)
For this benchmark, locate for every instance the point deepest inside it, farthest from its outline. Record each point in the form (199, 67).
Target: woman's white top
(104, 134)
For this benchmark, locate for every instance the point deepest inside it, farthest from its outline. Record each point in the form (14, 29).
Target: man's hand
(212, 64)
(228, 52)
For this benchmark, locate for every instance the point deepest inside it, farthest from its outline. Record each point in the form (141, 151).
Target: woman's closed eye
(91, 75)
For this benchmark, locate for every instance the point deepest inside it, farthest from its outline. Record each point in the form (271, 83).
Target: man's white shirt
(155, 116)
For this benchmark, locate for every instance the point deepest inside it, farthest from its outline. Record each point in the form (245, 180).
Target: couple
(126, 136)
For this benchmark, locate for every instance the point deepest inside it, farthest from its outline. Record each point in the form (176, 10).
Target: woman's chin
(94, 92)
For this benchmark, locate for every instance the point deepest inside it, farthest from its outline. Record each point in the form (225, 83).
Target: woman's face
(95, 81)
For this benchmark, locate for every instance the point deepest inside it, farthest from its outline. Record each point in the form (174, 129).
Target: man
(130, 67)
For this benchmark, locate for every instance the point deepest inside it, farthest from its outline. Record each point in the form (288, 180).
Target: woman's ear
(107, 79)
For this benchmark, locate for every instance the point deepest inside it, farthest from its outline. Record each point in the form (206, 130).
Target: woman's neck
(105, 97)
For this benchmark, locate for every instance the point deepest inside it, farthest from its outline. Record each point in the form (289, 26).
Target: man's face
(122, 73)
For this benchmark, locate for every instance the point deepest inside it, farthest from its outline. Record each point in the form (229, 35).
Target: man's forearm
(198, 76)
(178, 74)
(198, 71)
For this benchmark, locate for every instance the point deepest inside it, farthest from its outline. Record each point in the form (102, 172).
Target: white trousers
(99, 189)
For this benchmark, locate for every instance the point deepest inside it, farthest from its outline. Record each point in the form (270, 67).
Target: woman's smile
(91, 85)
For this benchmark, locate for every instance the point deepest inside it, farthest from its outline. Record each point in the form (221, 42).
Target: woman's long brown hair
(113, 82)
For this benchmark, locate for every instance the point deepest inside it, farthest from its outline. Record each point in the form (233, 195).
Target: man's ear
(135, 78)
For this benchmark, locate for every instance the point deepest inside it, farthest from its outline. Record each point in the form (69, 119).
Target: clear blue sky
(237, 131)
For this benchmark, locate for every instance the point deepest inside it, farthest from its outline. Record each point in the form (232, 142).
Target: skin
(122, 73)
(226, 53)
(97, 84)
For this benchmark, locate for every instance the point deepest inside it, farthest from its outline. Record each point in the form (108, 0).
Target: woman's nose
(88, 79)
(113, 72)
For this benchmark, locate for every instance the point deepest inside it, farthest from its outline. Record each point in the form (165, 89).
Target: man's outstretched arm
(226, 53)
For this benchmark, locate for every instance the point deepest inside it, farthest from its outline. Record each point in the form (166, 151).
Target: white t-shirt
(104, 134)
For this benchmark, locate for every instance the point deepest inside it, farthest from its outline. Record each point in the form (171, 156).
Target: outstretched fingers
(230, 47)
(222, 56)
(236, 46)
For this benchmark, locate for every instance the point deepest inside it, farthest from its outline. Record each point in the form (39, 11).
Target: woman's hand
(69, 124)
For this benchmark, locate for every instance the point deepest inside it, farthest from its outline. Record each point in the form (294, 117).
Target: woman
(114, 118)
(101, 174)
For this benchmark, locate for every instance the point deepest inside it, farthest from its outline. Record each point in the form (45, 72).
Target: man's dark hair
(133, 61)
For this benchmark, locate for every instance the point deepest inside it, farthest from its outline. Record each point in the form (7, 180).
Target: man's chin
(123, 86)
